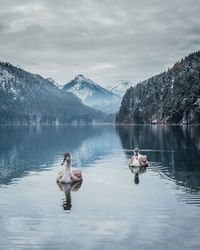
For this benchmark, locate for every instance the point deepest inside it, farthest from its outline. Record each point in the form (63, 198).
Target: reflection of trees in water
(67, 188)
(164, 137)
(175, 148)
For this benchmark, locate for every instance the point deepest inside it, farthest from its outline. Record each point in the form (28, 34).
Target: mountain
(55, 83)
(170, 97)
(93, 94)
(120, 87)
(29, 98)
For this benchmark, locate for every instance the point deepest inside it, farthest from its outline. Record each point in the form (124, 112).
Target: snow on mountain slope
(120, 87)
(171, 97)
(27, 98)
(55, 83)
(93, 94)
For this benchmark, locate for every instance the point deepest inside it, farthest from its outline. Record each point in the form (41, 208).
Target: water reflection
(137, 171)
(35, 148)
(67, 188)
(173, 151)
(114, 210)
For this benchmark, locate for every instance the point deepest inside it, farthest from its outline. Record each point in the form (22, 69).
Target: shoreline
(100, 124)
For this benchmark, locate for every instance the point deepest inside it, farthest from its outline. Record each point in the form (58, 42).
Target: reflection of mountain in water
(95, 146)
(32, 148)
(175, 150)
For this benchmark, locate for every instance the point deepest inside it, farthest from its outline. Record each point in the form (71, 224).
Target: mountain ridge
(120, 87)
(27, 98)
(93, 95)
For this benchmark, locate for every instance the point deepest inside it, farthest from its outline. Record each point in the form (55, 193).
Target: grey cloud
(104, 40)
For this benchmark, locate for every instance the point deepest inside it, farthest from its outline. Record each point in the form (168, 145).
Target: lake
(114, 207)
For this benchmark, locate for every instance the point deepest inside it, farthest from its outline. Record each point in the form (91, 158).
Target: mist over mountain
(30, 98)
(93, 95)
(170, 97)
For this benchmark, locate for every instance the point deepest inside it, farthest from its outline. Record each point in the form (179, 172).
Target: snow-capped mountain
(120, 87)
(93, 94)
(55, 83)
(30, 98)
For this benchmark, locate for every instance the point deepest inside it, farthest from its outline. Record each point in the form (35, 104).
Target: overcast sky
(105, 40)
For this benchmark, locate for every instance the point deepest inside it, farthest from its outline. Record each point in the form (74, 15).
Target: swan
(138, 160)
(69, 174)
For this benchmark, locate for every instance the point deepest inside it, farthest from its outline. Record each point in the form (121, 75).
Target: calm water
(111, 208)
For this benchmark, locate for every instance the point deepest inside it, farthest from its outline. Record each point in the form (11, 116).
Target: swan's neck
(68, 165)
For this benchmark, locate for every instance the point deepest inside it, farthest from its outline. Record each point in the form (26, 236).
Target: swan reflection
(137, 171)
(67, 188)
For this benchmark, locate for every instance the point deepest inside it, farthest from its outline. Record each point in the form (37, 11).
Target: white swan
(69, 174)
(138, 160)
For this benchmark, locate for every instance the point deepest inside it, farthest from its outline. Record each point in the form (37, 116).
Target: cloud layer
(104, 40)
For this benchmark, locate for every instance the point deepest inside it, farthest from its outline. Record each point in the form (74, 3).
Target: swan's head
(67, 158)
(136, 151)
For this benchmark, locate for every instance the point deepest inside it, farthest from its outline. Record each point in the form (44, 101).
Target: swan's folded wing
(77, 173)
(60, 175)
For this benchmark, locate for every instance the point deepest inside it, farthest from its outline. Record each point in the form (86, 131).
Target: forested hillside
(170, 97)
